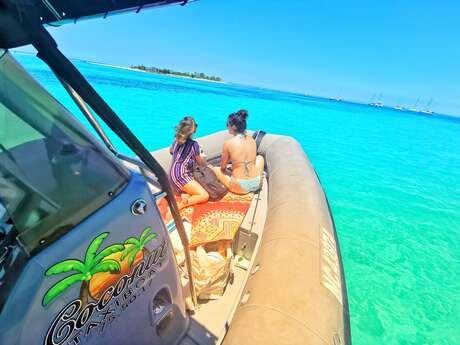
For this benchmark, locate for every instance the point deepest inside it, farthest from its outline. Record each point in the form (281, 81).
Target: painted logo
(111, 279)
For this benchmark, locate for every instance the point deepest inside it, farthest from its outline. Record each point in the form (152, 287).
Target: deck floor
(211, 319)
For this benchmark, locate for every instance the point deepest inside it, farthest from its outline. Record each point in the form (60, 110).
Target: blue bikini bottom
(247, 185)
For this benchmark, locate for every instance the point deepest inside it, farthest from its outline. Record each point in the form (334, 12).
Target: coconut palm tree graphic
(94, 263)
(134, 251)
(134, 246)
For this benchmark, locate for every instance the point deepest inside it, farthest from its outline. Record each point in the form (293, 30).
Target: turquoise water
(393, 181)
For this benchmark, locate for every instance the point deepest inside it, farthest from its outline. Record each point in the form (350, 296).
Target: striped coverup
(183, 158)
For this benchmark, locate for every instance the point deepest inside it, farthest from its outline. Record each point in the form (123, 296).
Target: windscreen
(53, 173)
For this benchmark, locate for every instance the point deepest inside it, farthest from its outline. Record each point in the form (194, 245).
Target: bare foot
(183, 203)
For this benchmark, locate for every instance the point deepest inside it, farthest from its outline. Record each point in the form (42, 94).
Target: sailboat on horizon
(427, 109)
(414, 108)
(377, 102)
(399, 105)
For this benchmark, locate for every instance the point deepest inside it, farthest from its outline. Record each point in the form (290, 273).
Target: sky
(355, 50)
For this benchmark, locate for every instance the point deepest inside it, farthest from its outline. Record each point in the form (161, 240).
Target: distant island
(193, 75)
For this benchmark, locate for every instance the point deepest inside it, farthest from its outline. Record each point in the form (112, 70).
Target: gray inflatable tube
(298, 294)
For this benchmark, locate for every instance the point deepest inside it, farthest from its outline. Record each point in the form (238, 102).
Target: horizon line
(326, 98)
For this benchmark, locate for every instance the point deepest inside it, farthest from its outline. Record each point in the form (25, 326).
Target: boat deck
(217, 314)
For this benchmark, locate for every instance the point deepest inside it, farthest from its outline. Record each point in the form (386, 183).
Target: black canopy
(57, 12)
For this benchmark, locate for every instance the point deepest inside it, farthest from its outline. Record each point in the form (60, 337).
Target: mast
(428, 105)
(427, 108)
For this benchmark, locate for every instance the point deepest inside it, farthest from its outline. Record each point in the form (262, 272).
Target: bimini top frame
(31, 23)
(58, 12)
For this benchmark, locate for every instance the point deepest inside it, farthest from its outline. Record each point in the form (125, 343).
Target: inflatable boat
(93, 247)
(293, 291)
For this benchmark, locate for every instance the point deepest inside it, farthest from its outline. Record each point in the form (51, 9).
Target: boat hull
(298, 293)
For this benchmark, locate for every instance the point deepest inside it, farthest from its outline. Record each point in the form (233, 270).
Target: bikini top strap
(246, 167)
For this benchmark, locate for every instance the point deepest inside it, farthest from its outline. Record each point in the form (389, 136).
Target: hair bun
(243, 113)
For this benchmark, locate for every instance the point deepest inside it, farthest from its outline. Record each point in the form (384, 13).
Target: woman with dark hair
(241, 150)
(186, 152)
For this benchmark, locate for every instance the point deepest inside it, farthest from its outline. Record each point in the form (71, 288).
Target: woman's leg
(227, 182)
(221, 176)
(260, 164)
(197, 194)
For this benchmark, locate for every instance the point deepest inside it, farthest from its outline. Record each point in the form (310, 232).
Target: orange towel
(220, 220)
(212, 221)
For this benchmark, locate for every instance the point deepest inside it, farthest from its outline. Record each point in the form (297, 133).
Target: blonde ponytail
(185, 130)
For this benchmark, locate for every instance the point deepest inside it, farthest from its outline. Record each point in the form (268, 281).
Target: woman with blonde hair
(185, 152)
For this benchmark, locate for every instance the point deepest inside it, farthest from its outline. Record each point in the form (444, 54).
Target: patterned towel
(212, 221)
(220, 220)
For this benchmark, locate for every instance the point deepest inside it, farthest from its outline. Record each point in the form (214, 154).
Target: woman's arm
(224, 158)
(201, 160)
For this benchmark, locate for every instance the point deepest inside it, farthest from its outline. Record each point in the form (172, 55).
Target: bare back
(241, 150)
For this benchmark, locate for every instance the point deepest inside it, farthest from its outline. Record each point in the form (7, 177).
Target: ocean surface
(392, 178)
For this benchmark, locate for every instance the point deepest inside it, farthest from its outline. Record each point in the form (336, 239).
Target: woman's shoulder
(191, 142)
(229, 142)
(250, 138)
(237, 139)
(195, 144)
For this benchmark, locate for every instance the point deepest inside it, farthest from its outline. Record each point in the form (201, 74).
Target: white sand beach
(169, 75)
